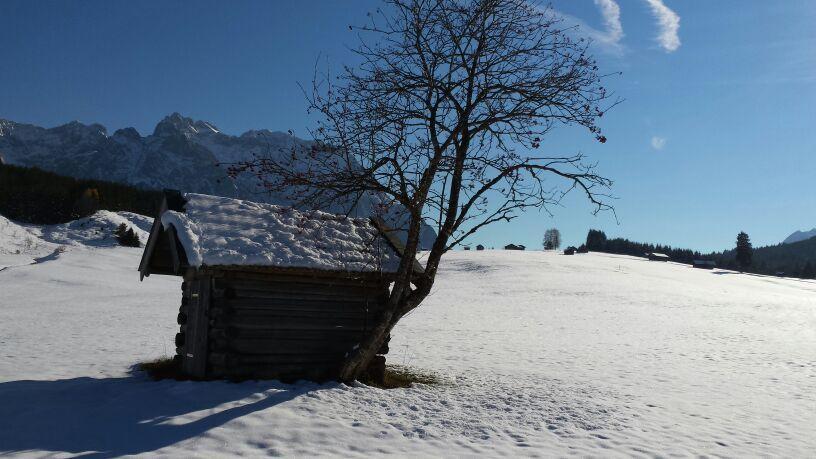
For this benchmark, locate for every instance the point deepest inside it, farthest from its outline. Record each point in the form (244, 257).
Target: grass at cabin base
(163, 368)
(396, 376)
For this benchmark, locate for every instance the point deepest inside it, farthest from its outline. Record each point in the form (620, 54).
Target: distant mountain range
(182, 153)
(800, 236)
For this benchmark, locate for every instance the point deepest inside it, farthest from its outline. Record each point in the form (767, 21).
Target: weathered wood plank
(266, 313)
(314, 295)
(337, 335)
(287, 322)
(295, 305)
(296, 273)
(195, 359)
(273, 283)
(231, 359)
(289, 372)
(281, 346)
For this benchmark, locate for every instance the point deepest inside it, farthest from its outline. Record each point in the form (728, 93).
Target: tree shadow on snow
(131, 415)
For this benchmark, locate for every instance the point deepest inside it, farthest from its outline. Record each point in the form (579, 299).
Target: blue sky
(715, 135)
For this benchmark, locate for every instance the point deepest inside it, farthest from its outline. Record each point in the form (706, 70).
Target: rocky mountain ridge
(181, 153)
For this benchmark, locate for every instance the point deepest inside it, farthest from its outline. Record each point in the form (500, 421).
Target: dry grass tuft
(397, 376)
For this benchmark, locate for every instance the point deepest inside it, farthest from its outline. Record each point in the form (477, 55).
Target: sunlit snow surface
(541, 354)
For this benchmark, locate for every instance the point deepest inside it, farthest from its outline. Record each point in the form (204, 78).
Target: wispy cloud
(658, 142)
(608, 39)
(611, 17)
(669, 23)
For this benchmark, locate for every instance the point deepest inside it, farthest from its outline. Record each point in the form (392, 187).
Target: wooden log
(318, 294)
(281, 346)
(325, 335)
(361, 289)
(278, 314)
(232, 359)
(285, 372)
(295, 305)
(297, 274)
(289, 322)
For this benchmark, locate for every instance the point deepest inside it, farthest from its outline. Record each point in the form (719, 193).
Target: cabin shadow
(111, 417)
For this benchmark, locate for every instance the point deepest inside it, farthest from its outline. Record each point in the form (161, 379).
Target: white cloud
(611, 17)
(658, 142)
(669, 23)
(607, 40)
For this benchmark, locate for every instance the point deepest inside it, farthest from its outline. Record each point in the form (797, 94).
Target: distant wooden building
(704, 264)
(480, 247)
(570, 250)
(269, 291)
(654, 256)
(514, 247)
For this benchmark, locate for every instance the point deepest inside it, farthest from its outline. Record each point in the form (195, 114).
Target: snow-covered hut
(655, 256)
(269, 291)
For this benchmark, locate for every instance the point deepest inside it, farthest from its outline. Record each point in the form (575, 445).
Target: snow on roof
(224, 231)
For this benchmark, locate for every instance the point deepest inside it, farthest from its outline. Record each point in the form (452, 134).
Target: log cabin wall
(240, 324)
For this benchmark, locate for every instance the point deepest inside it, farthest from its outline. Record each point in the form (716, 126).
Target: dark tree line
(598, 242)
(793, 260)
(33, 195)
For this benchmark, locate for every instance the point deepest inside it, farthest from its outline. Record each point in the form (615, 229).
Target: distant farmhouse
(655, 256)
(570, 250)
(514, 247)
(269, 291)
(704, 264)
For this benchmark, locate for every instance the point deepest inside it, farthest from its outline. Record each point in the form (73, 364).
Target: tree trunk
(357, 363)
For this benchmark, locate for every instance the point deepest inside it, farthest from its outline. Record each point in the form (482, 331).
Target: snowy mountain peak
(182, 153)
(178, 124)
(800, 236)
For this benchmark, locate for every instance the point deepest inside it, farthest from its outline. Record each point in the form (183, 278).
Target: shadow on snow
(130, 415)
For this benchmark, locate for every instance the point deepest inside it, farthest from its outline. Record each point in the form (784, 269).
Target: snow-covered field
(541, 354)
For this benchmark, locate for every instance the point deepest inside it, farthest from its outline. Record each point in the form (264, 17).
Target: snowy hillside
(797, 236)
(541, 355)
(182, 153)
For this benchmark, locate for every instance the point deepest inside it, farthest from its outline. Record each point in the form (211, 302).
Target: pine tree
(808, 272)
(744, 251)
(596, 240)
(126, 236)
(120, 231)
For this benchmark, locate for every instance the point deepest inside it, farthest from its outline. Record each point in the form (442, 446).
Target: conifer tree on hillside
(596, 240)
(126, 236)
(744, 250)
(808, 272)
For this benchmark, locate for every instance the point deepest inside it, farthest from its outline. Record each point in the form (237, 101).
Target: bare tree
(552, 239)
(441, 117)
